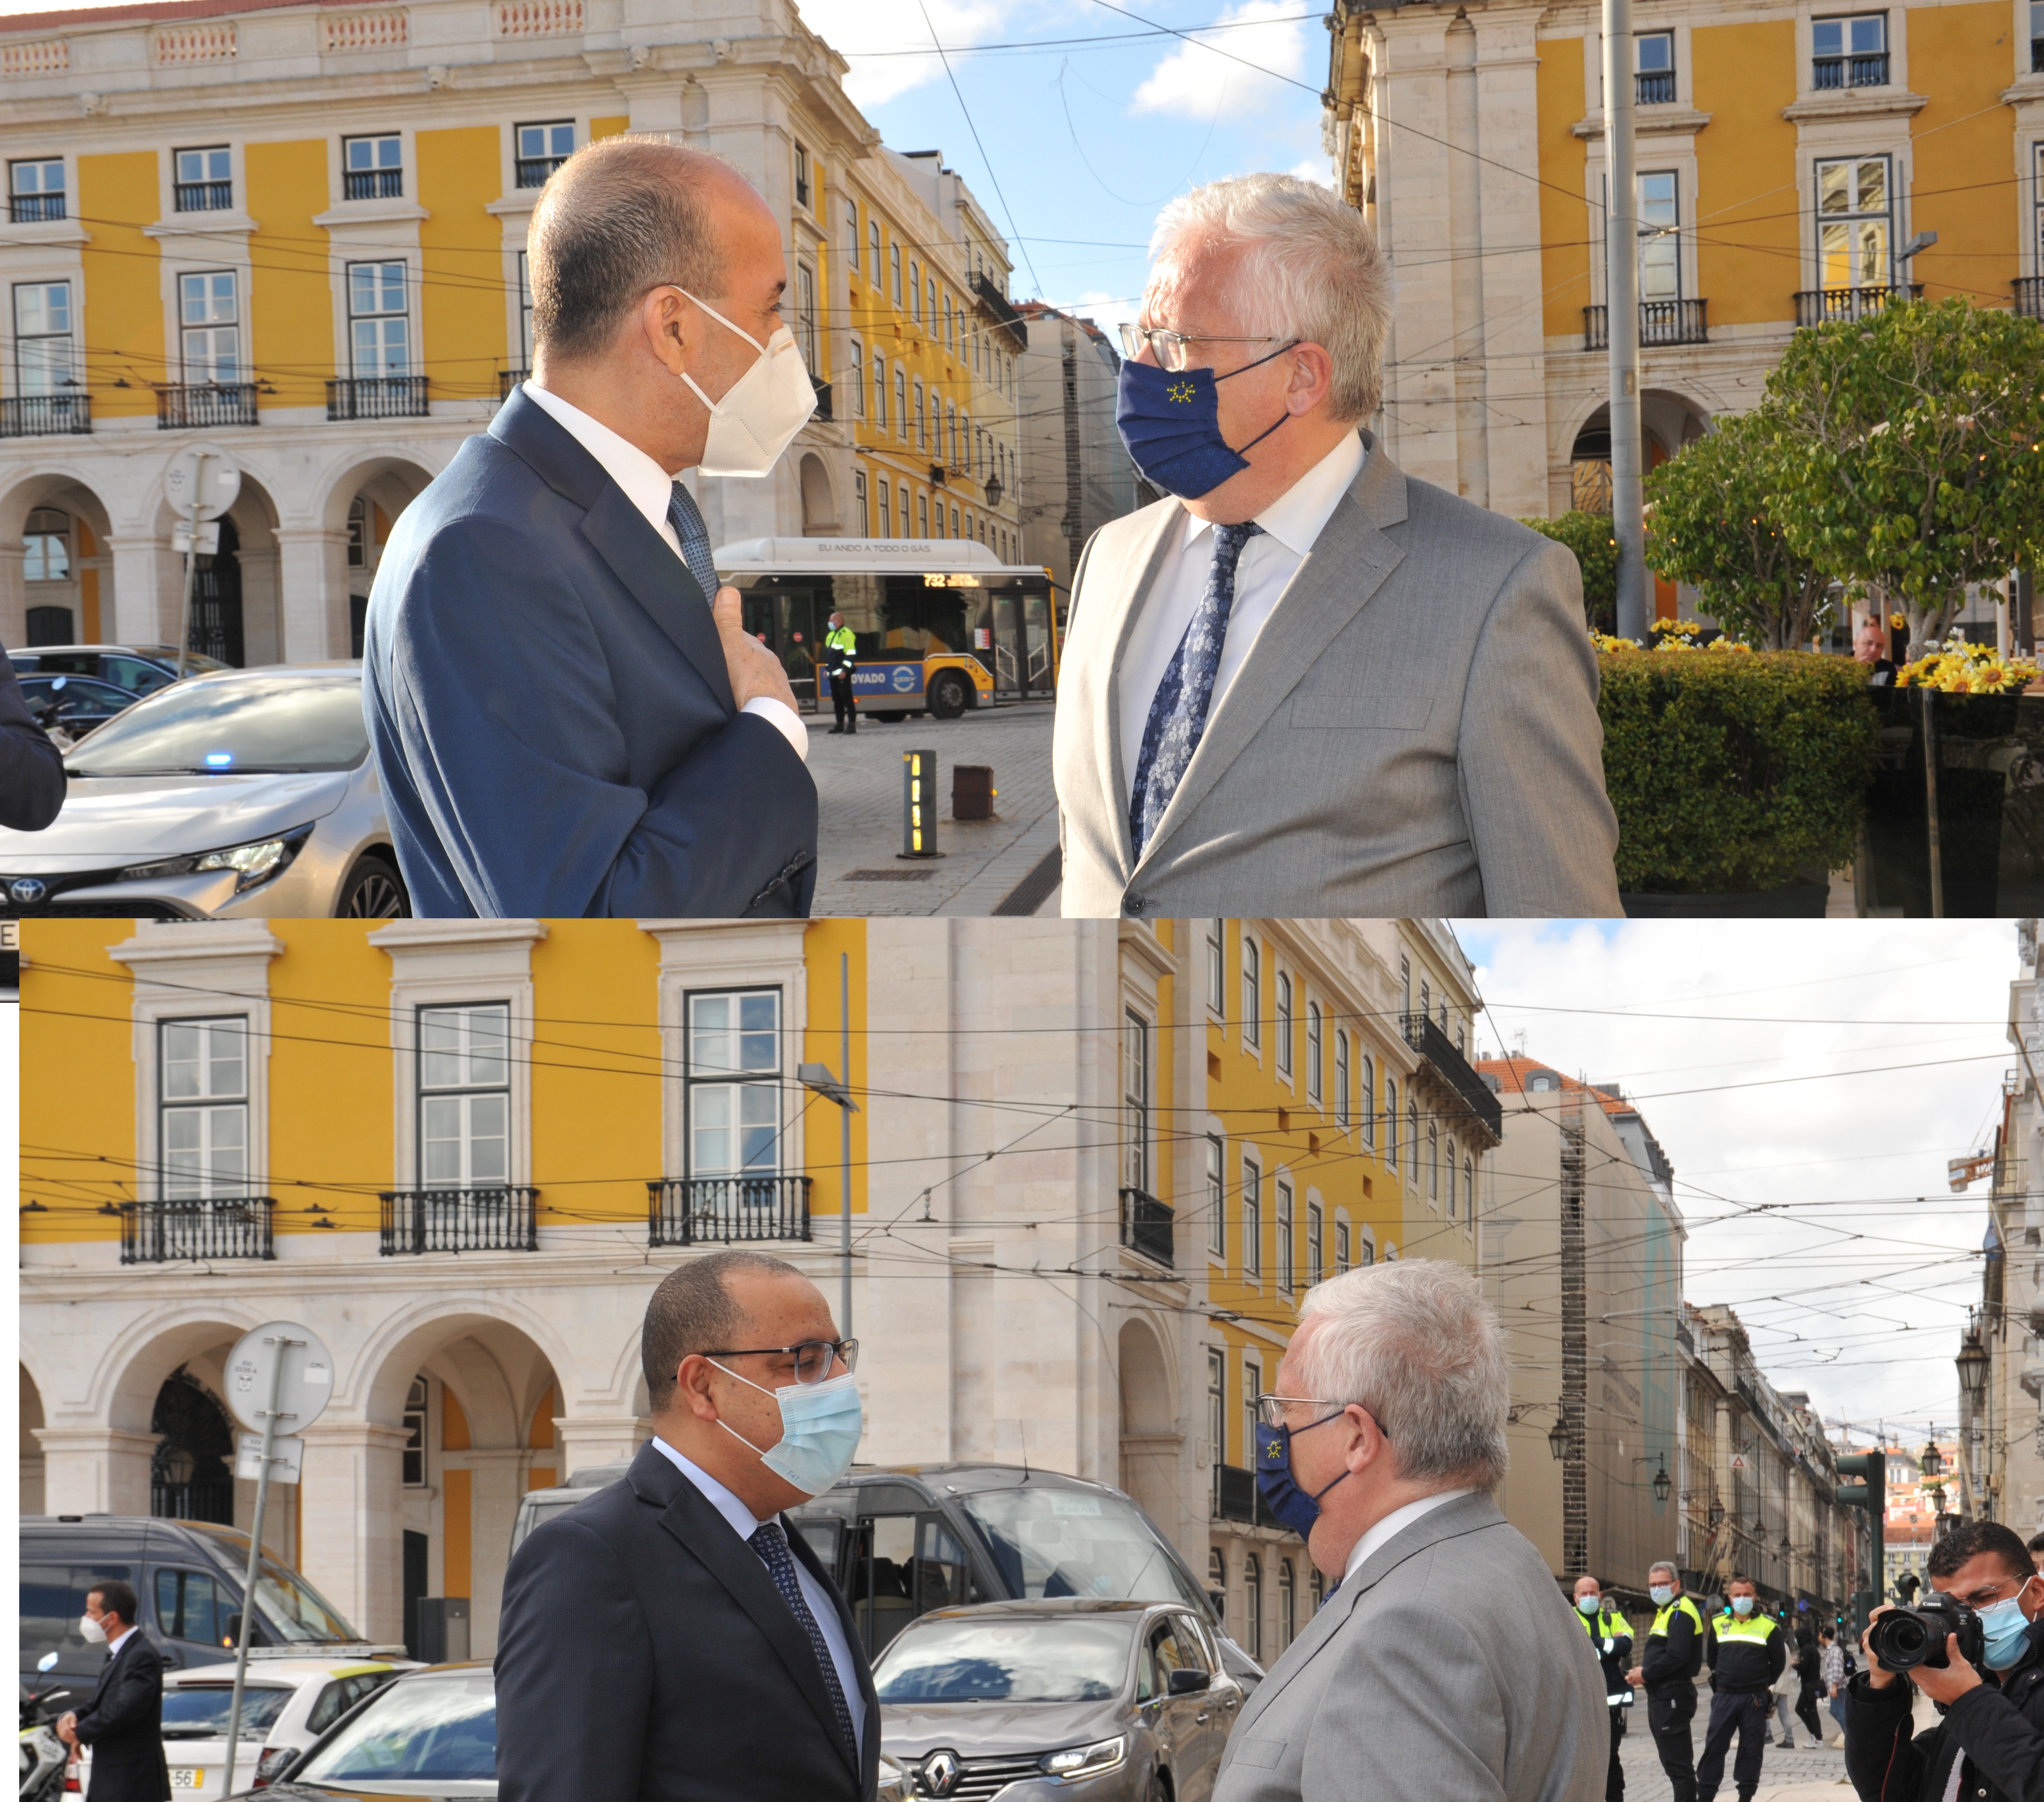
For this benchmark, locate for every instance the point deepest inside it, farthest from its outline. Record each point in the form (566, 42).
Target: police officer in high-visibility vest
(1747, 1652)
(840, 647)
(1667, 1671)
(1611, 1638)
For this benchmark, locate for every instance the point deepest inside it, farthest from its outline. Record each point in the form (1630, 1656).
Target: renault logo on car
(28, 891)
(939, 1774)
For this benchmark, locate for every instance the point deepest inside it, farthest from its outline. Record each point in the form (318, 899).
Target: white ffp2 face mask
(763, 409)
(90, 1630)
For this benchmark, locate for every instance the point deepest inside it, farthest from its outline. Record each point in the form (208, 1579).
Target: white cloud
(1319, 169)
(1197, 80)
(864, 31)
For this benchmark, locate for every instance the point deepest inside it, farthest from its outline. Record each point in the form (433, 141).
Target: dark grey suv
(1127, 1700)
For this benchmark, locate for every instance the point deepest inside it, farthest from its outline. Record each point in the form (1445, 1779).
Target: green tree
(1910, 459)
(1589, 536)
(1710, 522)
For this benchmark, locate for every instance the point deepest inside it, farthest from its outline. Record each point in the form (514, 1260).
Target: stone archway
(362, 504)
(819, 515)
(56, 563)
(191, 1472)
(32, 1447)
(1149, 1438)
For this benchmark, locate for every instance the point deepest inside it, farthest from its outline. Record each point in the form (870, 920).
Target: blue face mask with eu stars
(1170, 422)
(1288, 1504)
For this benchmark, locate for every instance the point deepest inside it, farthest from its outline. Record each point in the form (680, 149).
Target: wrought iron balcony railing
(1661, 322)
(823, 389)
(30, 208)
(507, 379)
(34, 416)
(377, 397)
(1236, 1496)
(373, 184)
(1654, 87)
(459, 1220)
(220, 1226)
(722, 1210)
(1821, 307)
(1146, 1226)
(205, 403)
(2029, 291)
(1868, 70)
(1434, 1045)
(202, 197)
(533, 171)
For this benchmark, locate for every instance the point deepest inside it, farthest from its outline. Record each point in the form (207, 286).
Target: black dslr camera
(1903, 1638)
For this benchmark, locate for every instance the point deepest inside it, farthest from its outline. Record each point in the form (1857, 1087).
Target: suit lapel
(635, 554)
(870, 1743)
(1336, 579)
(1133, 575)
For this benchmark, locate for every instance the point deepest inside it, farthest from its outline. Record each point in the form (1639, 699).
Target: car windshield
(1048, 1543)
(293, 1609)
(440, 1729)
(234, 726)
(1001, 1658)
(199, 1711)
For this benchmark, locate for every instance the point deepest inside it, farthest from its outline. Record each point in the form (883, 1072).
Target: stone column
(498, 1482)
(95, 1469)
(312, 601)
(139, 612)
(353, 1519)
(587, 1439)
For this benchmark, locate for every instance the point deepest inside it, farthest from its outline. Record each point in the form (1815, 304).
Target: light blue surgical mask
(1590, 1604)
(1663, 1593)
(820, 1424)
(2007, 1631)
(1742, 1604)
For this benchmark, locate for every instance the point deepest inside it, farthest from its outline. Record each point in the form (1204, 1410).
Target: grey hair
(694, 1311)
(1662, 1564)
(1416, 1344)
(618, 218)
(1313, 271)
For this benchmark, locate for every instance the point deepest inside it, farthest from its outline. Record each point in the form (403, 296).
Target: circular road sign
(307, 1386)
(212, 477)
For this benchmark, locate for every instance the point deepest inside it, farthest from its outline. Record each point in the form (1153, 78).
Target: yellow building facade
(296, 234)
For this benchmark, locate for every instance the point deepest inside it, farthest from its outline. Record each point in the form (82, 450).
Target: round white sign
(307, 1383)
(212, 477)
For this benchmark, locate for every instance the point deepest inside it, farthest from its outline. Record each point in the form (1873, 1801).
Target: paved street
(858, 784)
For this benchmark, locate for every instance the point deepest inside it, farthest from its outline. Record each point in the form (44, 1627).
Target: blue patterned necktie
(771, 1543)
(1178, 714)
(686, 518)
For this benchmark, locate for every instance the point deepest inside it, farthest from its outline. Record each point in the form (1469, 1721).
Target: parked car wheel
(949, 695)
(373, 890)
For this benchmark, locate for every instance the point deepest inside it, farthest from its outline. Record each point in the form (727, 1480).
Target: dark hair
(2035, 1541)
(693, 1310)
(1975, 1538)
(115, 1597)
(1747, 1580)
(620, 218)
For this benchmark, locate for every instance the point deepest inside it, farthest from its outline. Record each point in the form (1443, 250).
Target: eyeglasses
(1270, 1409)
(1172, 350)
(813, 1357)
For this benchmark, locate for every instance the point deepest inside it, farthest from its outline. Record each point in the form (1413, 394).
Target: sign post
(202, 482)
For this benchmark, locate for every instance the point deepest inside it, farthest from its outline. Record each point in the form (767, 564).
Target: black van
(188, 1577)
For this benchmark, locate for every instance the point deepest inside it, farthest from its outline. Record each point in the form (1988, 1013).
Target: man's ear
(662, 320)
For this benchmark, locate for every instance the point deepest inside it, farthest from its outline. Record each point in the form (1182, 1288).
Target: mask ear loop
(1254, 442)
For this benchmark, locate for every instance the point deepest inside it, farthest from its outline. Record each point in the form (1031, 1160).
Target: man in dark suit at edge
(672, 1639)
(563, 722)
(123, 1724)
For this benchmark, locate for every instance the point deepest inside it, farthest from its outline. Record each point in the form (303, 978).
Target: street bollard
(918, 805)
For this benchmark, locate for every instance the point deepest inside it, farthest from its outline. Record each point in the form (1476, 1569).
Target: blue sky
(1087, 139)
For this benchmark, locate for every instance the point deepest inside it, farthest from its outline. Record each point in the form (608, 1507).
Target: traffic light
(1871, 1494)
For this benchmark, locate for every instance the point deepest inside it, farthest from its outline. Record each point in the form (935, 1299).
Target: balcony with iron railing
(497, 1219)
(1654, 87)
(726, 1210)
(533, 171)
(1661, 322)
(373, 184)
(823, 389)
(1824, 306)
(507, 379)
(213, 1227)
(34, 209)
(1146, 1226)
(1868, 69)
(2029, 296)
(1436, 1047)
(1236, 1497)
(205, 404)
(36, 415)
(202, 197)
(377, 397)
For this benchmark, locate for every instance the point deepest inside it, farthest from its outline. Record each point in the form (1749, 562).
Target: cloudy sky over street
(1819, 1069)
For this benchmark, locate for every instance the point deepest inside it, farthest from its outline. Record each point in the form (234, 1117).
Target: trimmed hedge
(1733, 774)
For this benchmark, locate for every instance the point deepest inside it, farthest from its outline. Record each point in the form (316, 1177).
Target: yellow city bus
(943, 623)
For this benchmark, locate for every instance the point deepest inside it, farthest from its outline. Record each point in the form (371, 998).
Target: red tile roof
(1513, 1073)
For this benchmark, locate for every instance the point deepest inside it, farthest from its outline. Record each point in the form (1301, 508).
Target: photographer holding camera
(1972, 1648)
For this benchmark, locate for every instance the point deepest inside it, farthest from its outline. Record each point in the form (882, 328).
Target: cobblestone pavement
(858, 788)
(1809, 1773)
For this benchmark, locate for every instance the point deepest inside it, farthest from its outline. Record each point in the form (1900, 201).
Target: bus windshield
(1048, 1542)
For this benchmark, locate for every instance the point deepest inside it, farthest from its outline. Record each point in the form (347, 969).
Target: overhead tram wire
(952, 76)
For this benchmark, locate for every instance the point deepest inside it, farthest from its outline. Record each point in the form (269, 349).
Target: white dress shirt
(113, 1645)
(745, 1523)
(1394, 1523)
(1290, 524)
(649, 488)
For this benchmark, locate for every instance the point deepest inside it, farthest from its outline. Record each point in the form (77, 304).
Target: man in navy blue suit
(567, 714)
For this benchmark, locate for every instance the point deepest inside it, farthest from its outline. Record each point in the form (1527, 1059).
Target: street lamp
(1661, 1485)
(993, 491)
(1972, 1361)
(1558, 1439)
(1717, 1513)
(1930, 1460)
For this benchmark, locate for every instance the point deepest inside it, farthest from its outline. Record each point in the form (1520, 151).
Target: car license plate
(186, 1778)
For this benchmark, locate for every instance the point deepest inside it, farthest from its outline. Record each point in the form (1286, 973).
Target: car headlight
(254, 863)
(1086, 1760)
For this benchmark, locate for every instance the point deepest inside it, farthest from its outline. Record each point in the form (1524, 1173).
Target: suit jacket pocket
(1375, 710)
(1259, 1755)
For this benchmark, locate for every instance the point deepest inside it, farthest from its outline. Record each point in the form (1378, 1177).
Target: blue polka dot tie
(686, 518)
(771, 1543)
(1178, 713)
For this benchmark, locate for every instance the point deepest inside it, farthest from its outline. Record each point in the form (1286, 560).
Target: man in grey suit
(1446, 1667)
(1306, 684)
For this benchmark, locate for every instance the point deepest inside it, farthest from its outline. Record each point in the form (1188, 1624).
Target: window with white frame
(1135, 1102)
(858, 380)
(1653, 60)
(46, 546)
(1850, 51)
(922, 425)
(1252, 1220)
(1252, 1387)
(1314, 1051)
(204, 181)
(1217, 1404)
(210, 323)
(203, 1107)
(872, 251)
(1341, 1079)
(2037, 37)
(858, 503)
(1368, 1099)
(1433, 1162)
(464, 1066)
(915, 292)
(1411, 1138)
(1217, 1196)
(734, 1083)
(1287, 1228)
(1341, 1246)
(1216, 970)
(1315, 1242)
(886, 510)
(372, 168)
(542, 149)
(1854, 222)
(45, 361)
(901, 420)
(415, 1434)
(894, 271)
(879, 392)
(379, 319)
(35, 190)
(802, 188)
(1660, 242)
(1252, 991)
(1405, 982)
(1283, 1012)
(1390, 1121)
(1469, 1191)
(923, 516)
(805, 313)
(1451, 1178)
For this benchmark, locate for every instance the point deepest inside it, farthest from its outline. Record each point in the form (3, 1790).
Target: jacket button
(1133, 903)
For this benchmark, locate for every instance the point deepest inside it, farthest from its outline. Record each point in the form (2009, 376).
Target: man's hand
(1946, 1685)
(67, 1728)
(1878, 1675)
(755, 672)
(1636, 1676)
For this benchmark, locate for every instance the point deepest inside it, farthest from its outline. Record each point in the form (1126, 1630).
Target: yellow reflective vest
(1742, 1656)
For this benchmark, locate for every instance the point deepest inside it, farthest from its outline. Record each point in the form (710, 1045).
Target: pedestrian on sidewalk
(1667, 1671)
(1831, 1680)
(1746, 1653)
(1786, 1687)
(840, 651)
(1806, 1682)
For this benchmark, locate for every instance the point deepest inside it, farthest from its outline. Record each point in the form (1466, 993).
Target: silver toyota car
(1116, 1701)
(246, 792)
